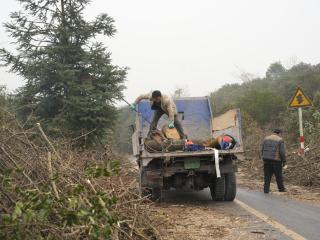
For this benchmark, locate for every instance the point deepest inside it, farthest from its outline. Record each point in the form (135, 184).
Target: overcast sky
(200, 45)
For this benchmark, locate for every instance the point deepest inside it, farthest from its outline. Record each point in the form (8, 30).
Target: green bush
(263, 106)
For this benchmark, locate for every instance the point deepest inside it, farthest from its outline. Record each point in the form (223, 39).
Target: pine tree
(71, 83)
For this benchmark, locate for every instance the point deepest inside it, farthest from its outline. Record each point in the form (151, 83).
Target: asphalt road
(299, 217)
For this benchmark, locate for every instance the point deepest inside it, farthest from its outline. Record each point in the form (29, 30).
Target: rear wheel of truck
(217, 190)
(231, 186)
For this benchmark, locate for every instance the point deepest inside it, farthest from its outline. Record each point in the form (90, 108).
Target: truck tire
(231, 186)
(156, 194)
(217, 190)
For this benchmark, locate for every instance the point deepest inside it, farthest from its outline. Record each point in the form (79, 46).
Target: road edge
(285, 230)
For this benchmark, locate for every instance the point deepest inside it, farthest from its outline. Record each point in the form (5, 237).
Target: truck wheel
(218, 189)
(231, 186)
(156, 194)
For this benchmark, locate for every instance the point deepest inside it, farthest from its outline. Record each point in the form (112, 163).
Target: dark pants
(269, 170)
(157, 115)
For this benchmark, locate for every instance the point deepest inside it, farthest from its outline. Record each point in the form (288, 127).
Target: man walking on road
(274, 158)
(162, 104)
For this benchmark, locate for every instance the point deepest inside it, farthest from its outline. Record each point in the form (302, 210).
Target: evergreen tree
(71, 83)
(275, 71)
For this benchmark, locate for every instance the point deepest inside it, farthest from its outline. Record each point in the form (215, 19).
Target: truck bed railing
(146, 154)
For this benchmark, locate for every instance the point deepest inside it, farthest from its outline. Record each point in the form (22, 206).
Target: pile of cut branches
(304, 170)
(49, 190)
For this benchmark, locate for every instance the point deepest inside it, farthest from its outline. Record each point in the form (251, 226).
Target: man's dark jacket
(273, 150)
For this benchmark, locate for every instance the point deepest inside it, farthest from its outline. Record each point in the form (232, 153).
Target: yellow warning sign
(299, 99)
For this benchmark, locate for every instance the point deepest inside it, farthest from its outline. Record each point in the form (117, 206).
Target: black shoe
(283, 190)
(266, 192)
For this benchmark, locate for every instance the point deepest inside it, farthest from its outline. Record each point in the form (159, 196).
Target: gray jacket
(273, 149)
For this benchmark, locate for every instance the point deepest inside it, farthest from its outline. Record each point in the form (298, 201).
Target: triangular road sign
(299, 99)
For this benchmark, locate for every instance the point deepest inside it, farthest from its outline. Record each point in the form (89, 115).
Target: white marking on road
(290, 233)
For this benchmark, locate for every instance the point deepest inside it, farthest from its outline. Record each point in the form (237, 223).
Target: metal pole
(301, 131)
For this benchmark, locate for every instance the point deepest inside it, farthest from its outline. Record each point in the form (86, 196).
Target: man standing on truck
(274, 158)
(162, 104)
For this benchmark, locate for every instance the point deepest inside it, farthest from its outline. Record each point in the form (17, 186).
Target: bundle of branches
(52, 191)
(305, 170)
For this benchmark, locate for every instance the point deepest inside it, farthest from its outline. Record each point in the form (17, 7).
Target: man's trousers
(269, 170)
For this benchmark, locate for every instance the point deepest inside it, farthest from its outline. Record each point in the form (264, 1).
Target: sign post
(301, 131)
(300, 100)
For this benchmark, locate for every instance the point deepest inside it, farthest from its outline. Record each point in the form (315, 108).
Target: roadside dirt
(197, 222)
(191, 222)
(309, 195)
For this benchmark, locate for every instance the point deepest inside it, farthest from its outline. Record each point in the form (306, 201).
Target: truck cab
(189, 170)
